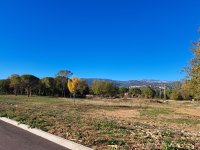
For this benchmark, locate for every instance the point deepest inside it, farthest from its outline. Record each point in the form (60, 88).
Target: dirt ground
(110, 124)
(184, 115)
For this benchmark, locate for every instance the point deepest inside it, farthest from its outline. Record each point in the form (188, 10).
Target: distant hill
(130, 83)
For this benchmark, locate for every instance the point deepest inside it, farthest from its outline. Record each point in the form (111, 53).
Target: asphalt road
(13, 138)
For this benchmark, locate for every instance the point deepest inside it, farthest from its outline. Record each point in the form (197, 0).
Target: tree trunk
(74, 98)
(39, 92)
(15, 91)
(62, 93)
(30, 92)
(21, 91)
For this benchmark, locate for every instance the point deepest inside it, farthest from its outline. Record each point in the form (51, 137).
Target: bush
(176, 95)
(135, 92)
(148, 92)
(122, 91)
(104, 89)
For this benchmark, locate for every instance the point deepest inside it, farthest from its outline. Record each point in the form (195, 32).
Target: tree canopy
(193, 72)
(29, 82)
(148, 92)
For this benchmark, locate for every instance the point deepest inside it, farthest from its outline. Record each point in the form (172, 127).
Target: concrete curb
(55, 139)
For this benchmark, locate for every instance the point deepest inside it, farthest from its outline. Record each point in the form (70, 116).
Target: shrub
(176, 95)
(148, 92)
(135, 92)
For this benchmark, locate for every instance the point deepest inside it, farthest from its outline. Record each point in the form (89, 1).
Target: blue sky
(115, 39)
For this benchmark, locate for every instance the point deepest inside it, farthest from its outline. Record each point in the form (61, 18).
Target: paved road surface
(13, 138)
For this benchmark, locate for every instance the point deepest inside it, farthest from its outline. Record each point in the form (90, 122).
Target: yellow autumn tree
(187, 90)
(73, 86)
(193, 71)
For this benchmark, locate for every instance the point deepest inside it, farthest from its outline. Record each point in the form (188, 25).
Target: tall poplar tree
(193, 71)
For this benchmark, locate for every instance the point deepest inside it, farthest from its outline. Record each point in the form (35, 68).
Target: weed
(105, 124)
(183, 121)
(112, 142)
(156, 111)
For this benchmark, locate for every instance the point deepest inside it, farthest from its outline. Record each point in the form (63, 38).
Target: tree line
(62, 85)
(48, 86)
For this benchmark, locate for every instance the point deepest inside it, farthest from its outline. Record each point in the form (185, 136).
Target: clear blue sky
(116, 39)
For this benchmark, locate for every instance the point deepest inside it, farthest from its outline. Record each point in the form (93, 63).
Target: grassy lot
(110, 124)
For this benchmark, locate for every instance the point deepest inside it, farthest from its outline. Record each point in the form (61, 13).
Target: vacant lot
(110, 124)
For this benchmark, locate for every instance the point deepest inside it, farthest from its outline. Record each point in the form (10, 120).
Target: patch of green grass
(156, 111)
(112, 142)
(9, 113)
(168, 143)
(22, 119)
(109, 128)
(37, 122)
(105, 124)
(183, 121)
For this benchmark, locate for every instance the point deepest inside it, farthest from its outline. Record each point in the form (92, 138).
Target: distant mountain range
(130, 83)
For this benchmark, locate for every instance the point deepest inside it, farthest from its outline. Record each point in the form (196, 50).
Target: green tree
(5, 86)
(192, 81)
(135, 92)
(97, 88)
(111, 90)
(48, 86)
(60, 88)
(62, 78)
(168, 93)
(193, 71)
(83, 88)
(104, 89)
(15, 83)
(122, 91)
(187, 91)
(148, 92)
(29, 82)
(176, 95)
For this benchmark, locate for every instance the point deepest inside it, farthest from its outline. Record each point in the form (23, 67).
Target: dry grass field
(110, 124)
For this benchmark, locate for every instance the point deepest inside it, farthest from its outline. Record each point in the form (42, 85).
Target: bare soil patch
(102, 124)
(189, 111)
(121, 114)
